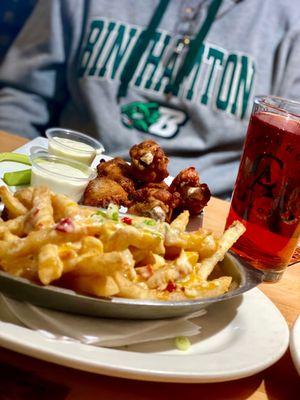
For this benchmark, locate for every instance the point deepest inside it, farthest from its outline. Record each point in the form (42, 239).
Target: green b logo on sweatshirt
(152, 118)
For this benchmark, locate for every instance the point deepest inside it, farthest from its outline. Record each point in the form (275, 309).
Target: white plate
(295, 344)
(239, 338)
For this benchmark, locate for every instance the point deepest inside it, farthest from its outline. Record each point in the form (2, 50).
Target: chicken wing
(101, 191)
(151, 208)
(148, 162)
(156, 201)
(194, 195)
(119, 171)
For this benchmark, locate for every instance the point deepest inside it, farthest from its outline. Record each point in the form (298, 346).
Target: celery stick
(20, 158)
(17, 178)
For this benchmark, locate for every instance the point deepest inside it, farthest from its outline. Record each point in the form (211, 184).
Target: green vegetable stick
(17, 178)
(20, 158)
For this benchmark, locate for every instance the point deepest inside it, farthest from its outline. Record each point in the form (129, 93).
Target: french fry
(229, 237)
(104, 264)
(63, 207)
(201, 241)
(192, 257)
(173, 271)
(49, 237)
(205, 289)
(9, 237)
(3, 229)
(212, 288)
(13, 205)
(42, 212)
(32, 243)
(77, 255)
(25, 196)
(160, 278)
(50, 266)
(91, 246)
(180, 223)
(141, 256)
(129, 289)
(25, 267)
(131, 236)
(67, 208)
(54, 260)
(185, 262)
(68, 253)
(16, 225)
(102, 286)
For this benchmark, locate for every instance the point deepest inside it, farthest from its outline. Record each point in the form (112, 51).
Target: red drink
(267, 191)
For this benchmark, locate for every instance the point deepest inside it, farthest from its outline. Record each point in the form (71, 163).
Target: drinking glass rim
(263, 99)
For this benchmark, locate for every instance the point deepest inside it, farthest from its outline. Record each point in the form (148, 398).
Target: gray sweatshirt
(65, 67)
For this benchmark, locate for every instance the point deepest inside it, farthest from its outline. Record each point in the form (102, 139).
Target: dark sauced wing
(148, 162)
(155, 200)
(194, 195)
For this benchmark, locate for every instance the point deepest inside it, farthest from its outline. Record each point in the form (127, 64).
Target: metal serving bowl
(244, 279)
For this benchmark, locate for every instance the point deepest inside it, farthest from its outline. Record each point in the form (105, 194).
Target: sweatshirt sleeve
(287, 67)
(32, 75)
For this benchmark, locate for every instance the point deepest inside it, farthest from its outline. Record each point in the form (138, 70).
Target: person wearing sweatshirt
(13, 15)
(181, 72)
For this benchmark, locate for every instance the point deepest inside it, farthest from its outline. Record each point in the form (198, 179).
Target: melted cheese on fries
(102, 253)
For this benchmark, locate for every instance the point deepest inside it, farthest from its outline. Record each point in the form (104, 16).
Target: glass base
(272, 276)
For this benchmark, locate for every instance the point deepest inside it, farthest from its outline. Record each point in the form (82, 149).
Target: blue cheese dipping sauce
(73, 145)
(60, 175)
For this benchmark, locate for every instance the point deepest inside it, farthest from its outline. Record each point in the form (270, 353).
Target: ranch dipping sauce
(60, 175)
(73, 145)
(72, 149)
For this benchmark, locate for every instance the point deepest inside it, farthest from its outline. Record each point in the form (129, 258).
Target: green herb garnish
(182, 343)
(101, 213)
(113, 212)
(149, 222)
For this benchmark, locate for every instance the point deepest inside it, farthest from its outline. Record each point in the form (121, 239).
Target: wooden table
(277, 382)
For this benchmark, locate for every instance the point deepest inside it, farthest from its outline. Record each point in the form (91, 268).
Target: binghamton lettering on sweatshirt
(220, 79)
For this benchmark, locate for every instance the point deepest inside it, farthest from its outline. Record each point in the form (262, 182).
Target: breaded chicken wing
(148, 162)
(119, 171)
(101, 191)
